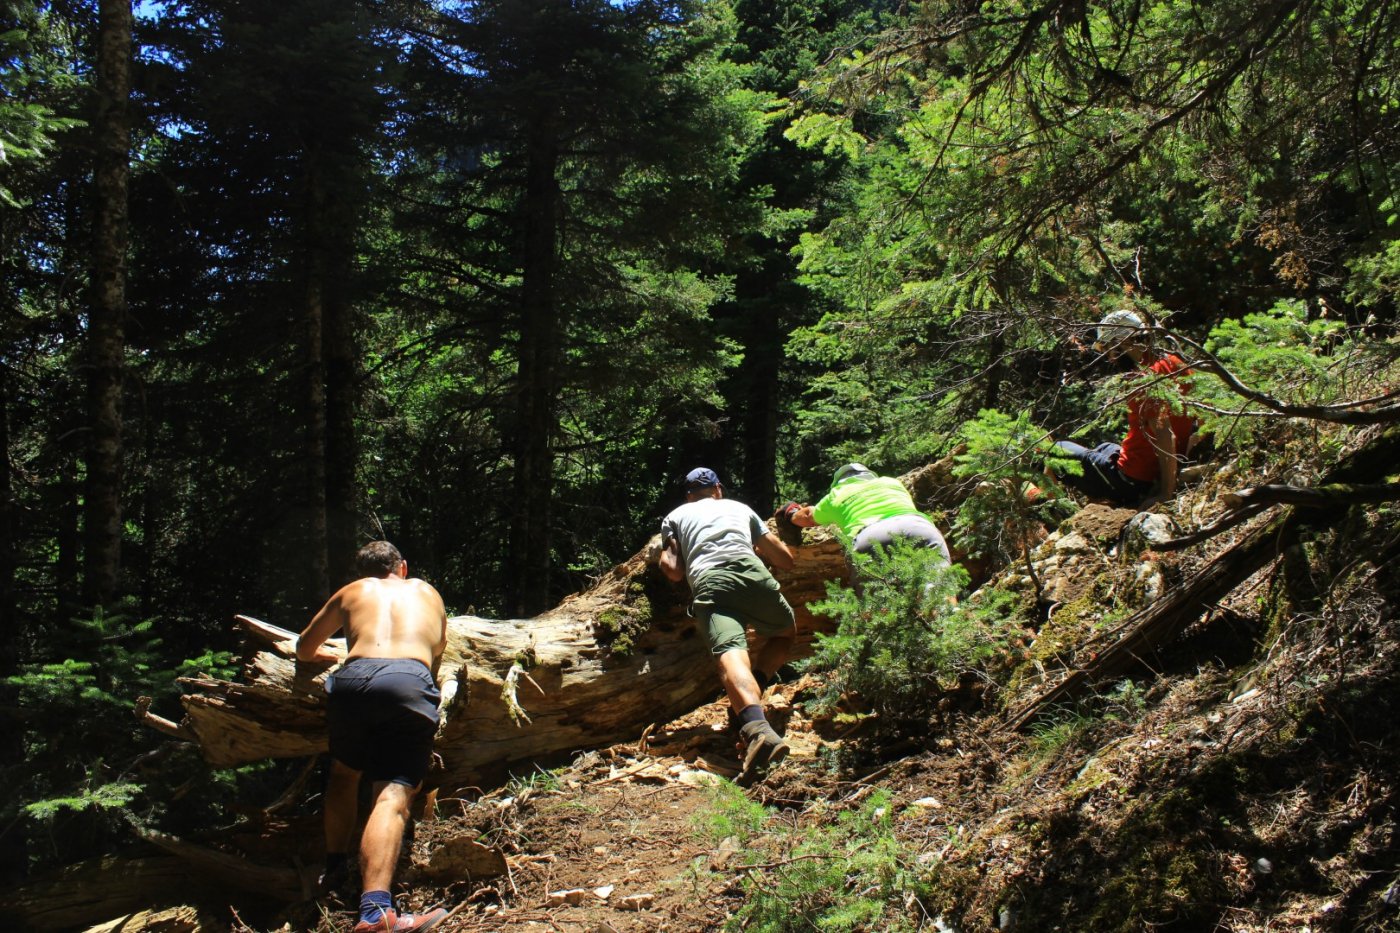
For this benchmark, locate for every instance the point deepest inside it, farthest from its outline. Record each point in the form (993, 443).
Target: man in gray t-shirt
(716, 544)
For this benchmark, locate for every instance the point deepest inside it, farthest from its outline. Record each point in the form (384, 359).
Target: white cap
(1116, 326)
(850, 470)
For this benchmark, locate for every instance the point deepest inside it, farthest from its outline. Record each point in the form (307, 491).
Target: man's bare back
(383, 617)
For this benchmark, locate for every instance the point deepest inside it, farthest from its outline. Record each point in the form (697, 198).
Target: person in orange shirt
(1142, 470)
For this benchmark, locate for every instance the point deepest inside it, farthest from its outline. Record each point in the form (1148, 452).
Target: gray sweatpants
(912, 527)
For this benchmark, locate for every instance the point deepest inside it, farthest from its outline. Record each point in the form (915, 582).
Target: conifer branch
(1386, 405)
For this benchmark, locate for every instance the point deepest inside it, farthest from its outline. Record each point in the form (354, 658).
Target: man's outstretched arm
(1159, 431)
(772, 549)
(311, 643)
(670, 562)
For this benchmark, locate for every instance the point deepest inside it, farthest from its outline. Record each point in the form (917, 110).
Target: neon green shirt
(855, 503)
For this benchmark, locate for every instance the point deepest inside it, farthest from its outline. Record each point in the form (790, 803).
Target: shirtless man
(382, 713)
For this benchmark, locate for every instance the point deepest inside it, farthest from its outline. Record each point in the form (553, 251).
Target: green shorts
(739, 594)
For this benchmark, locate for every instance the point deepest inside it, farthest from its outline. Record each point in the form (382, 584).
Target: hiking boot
(765, 749)
(395, 922)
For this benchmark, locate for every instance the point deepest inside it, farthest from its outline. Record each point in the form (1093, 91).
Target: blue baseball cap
(701, 478)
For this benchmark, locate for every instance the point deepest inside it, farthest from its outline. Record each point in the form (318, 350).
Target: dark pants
(1102, 479)
(382, 715)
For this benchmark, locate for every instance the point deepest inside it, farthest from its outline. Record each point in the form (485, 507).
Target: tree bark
(96, 891)
(313, 454)
(65, 507)
(757, 383)
(342, 449)
(14, 855)
(107, 314)
(332, 221)
(537, 382)
(567, 669)
(331, 452)
(9, 622)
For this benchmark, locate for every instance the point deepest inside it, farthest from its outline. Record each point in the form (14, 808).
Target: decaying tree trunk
(597, 669)
(90, 892)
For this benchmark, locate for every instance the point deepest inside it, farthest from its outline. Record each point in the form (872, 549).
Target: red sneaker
(395, 922)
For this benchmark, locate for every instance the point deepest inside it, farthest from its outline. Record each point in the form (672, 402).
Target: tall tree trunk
(13, 855)
(763, 359)
(996, 371)
(528, 575)
(144, 564)
(9, 621)
(313, 454)
(65, 508)
(107, 312)
(342, 448)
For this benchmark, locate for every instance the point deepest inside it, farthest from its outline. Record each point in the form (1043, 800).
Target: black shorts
(382, 714)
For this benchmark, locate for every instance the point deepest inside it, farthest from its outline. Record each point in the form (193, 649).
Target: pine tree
(581, 152)
(779, 46)
(255, 223)
(111, 125)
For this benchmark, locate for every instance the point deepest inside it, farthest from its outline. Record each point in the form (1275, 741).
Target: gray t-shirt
(710, 533)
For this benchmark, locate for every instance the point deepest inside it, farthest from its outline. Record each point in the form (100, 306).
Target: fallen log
(599, 668)
(1247, 503)
(1149, 629)
(233, 871)
(92, 892)
(1335, 495)
(1350, 481)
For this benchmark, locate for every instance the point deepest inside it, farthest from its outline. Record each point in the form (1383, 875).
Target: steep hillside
(1240, 775)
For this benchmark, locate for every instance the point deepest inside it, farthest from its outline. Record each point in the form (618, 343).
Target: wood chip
(725, 767)
(635, 902)
(699, 778)
(572, 897)
(727, 849)
(461, 856)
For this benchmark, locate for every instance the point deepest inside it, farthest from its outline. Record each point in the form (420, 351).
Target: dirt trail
(621, 825)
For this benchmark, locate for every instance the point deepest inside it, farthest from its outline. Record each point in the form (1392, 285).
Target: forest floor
(1186, 809)
(625, 827)
(1245, 779)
